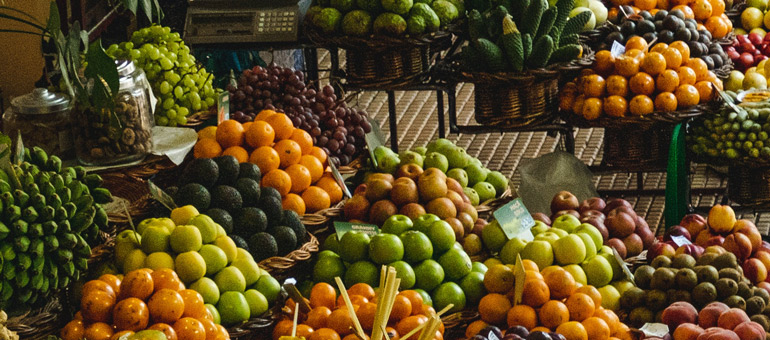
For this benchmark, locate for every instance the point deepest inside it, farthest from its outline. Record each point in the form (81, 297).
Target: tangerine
(717, 7)
(627, 66)
(99, 285)
(340, 321)
(700, 68)
(493, 308)
(530, 265)
(673, 58)
(323, 295)
(687, 95)
(98, 331)
(367, 291)
(208, 132)
(654, 63)
(282, 125)
(289, 152)
(300, 177)
(207, 148)
(132, 314)
(259, 133)
(316, 199)
(366, 314)
(294, 203)
(319, 153)
(667, 81)
(317, 317)
(702, 9)
(190, 329)
(560, 283)
(229, 133)
(262, 115)
(304, 140)
(592, 108)
(283, 328)
(617, 85)
(402, 308)
(636, 43)
(331, 187)
(581, 306)
(642, 83)
(718, 26)
(645, 5)
(522, 315)
(596, 328)
(665, 102)
(604, 62)
(572, 330)
(499, 279)
(659, 47)
(415, 298)
(313, 165)
(553, 313)
(577, 108)
(409, 323)
(238, 152)
(474, 328)
(705, 90)
(640, 105)
(166, 306)
(688, 12)
(166, 278)
(615, 106)
(593, 86)
(97, 306)
(686, 75)
(193, 304)
(166, 329)
(138, 284)
(279, 180)
(266, 158)
(592, 292)
(683, 49)
(609, 317)
(536, 293)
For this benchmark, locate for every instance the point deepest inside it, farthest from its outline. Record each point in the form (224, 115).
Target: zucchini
(476, 28)
(526, 40)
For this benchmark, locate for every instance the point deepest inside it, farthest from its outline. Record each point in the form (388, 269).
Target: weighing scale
(242, 21)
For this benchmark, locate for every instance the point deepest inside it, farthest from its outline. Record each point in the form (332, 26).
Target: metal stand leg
(569, 140)
(311, 64)
(452, 102)
(440, 106)
(393, 121)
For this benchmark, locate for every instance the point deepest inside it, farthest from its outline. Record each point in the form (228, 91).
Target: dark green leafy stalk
(130, 5)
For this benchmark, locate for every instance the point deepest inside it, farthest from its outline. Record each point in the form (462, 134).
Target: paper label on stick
(340, 181)
(520, 277)
(623, 266)
(515, 220)
(680, 240)
(492, 336)
(161, 196)
(342, 227)
(223, 107)
(654, 329)
(617, 49)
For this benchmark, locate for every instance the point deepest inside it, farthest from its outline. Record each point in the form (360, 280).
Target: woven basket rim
(277, 264)
(650, 119)
(374, 42)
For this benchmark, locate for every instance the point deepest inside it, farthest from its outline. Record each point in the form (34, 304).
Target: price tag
(295, 295)
(623, 266)
(342, 227)
(223, 107)
(617, 49)
(680, 240)
(492, 336)
(658, 330)
(161, 196)
(520, 277)
(515, 220)
(18, 155)
(340, 181)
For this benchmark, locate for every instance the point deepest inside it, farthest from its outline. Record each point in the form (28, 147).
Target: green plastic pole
(677, 181)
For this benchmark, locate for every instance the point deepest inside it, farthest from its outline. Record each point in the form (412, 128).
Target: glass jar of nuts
(43, 119)
(122, 135)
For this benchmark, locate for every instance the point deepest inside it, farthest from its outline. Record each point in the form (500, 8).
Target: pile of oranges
(552, 302)
(142, 300)
(285, 155)
(710, 14)
(329, 318)
(639, 82)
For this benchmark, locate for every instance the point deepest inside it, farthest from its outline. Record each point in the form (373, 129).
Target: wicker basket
(40, 323)
(260, 327)
(282, 267)
(456, 323)
(749, 185)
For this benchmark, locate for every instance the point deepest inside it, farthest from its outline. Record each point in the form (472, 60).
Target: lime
(498, 181)
(449, 293)
(473, 286)
(456, 264)
(332, 243)
(428, 275)
(417, 246)
(354, 246)
(426, 299)
(233, 308)
(386, 248)
(257, 302)
(493, 236)
(214, 312)
(362, 272)
(404, 272)
(327, 268)
(479, 267)
(269, 287)
(441, 235)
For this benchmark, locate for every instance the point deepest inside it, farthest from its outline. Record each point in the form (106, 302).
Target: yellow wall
(21, 60)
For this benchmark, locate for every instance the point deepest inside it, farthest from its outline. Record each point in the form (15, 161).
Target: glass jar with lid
(122, 135)
(42, 118)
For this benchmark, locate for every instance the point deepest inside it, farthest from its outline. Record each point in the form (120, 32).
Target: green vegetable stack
(521, 35)
(385, 17)
(49, 218)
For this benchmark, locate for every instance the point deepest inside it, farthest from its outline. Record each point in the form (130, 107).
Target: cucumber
(541, 52)
(575, 24)
(566, 53)
(512, 44)
(546, 22)
(532, 16)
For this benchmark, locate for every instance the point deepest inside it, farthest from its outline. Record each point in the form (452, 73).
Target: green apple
(186, 238)
(134, 260)
(589, 244)
(155, 239)
(159, 260)
(424, 222)
(436, 160)
(125, 243)
(190, 266)
(230, 279)
(388, 163)
(241, 253)
(498, 180)
(566, 222)
(439, 145)
(228, 246)
(257, 302)
(417, 246)
(511, 249)
(473, 287)
(493, 236)
(214, 313)
(485, 190)
(754, 80)
(155, 222)
(233, 308)
(473, 196)
(249, 269)
(457, 157)
(617, 272)
(539, 227)
(560, 232)
(215, 258)
(221, 231)
(610, 297)
(577, 273)
(598, 271)
(569, 249)
(600, 11)
(459, 175)
(590, 230)
(396, 224)
(456, 264)
(206, 226)
(354, 246)
(404, 272)
(760, 4)
(183, 215)
(442, 236)
(548, 236)
(420, 150)
(591, 22)
(538, 251)
(734, 81)
(147, 334)
(412, 157)
(207, 288)
(269, 287)
(476, 173)
(622, 286)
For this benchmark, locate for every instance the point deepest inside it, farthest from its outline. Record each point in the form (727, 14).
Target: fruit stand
(140, 201)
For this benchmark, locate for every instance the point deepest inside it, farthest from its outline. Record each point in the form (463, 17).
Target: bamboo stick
(357, 324)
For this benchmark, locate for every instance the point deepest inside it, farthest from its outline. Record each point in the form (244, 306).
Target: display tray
(650, 119)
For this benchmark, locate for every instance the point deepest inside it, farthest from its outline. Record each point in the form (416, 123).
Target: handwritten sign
(340, 181)
(627, 272)
(161, 196)
(520, 277)
(515, 220)
(342, 227)
(680, 240)
(223, 107)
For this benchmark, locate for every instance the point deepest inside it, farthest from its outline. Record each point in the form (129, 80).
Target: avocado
(193, 194)
(240, 242)
(249, 220)
(285, 238)
(274, 211)
(227, 198)
(223, 218)
(262, 246)
(171, 191)
(250, 191)
(291, 220)
(268, 192)
(228, 169)
(250, 170)
(204, 171)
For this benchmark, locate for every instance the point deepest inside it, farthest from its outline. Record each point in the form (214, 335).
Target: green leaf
(5, 139)
(73, 44)
(84, 39)
(147, 8)
(18, 155)
(54, 21)
(101, 66)
(159, 11)
(131, 5)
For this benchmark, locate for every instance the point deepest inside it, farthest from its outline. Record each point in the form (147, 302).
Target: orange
(662, 4)
(138, 284)
(262, 115)
(617, 85)
(532, 275)
(304, 140)
(409, 323)
(627, 66)
(207, 148)
(493, 308)
(317, 317)
(499, 279)
(316, 199)
(541, 329)
(596, 328)
(320, 154)
(700, 68)
(414, 298)
(667, 81)
(98, 285)
(367, 291)
(560, 283)
(282, 125)
(266, 158)
(300, 177)
(193, 304)
(686, 75)
(623, 332)
(593, 86)
(659, 47)
(645, 5)
(114, 282)
(688, 12)
(331, 187)
(189, 329)
(711, 77)
(665, 102)
(566, 101)
(640, 105)
(592, 108)
(313, 165)
(654, 63)
(230, 133)
(289, 152)
(553, 313)
(98, 331)
(673, 57)
(536, 293)
(683, 49)
(592, 292)
(340, 321)
(166, 278)
(636, 42)
(522, 315)
(702, 9)
(294, 203)
(705, 91)
(636, 53)
(279, 180)
(365, 315)
(304, 331)
(717, 7)
(687, 95)
(604, 62)
(259, 134)
(238, 152)
(577, 107)
(530, 265)
(211, 328)
(642, 83)
(166, 306)
(474, 328)
(283, 327)
(324, 334)
(615, 106)
(609, 317)
(132, 314)
(246, 126)
(402, 308)
(208, 132)
(718, 27)
(572, 330)
(581, 307)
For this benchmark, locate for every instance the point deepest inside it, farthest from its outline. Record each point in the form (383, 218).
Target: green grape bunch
(181, 86)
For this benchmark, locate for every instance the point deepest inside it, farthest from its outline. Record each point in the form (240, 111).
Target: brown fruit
(646, 235)
(453, 185)
(565, 212)
(466, 220)
(542, 218)
(679, 313)
(377, 189)
(564, 200)
(404, 192)
(738, 244)
(634, 245)
(379, 175)
(593, 203)
(731, 318)
(410, 170)
(709, 315)
(357, 208)
(441, 207)
(687, 331)
(618, 245)
(432, 185)
(750, 331)
(615, 203)
(412, 210)
(749, 229)
(694, 223)
(381, 210)
(456, 199)
(457, 226)
(470, 210)
(620, 224)
(360, 190)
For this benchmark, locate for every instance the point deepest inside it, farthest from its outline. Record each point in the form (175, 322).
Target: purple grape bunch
(336, 128)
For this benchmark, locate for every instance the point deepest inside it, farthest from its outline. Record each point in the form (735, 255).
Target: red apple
(564, 200)
(694, 223)
(592, 213)
(564, 212)
(716, 240)
(755, 38)
(660, 248)
(593, 203)
(746, 60)
(730, 48)
(742, 39)
(733, 55)
(748, 48)
(542, 218)
(677, 231)
(615, 203)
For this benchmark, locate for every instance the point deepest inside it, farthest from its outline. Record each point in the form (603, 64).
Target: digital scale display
(254, 21)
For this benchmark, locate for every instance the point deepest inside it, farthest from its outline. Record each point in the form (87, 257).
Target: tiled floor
(418, 124)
